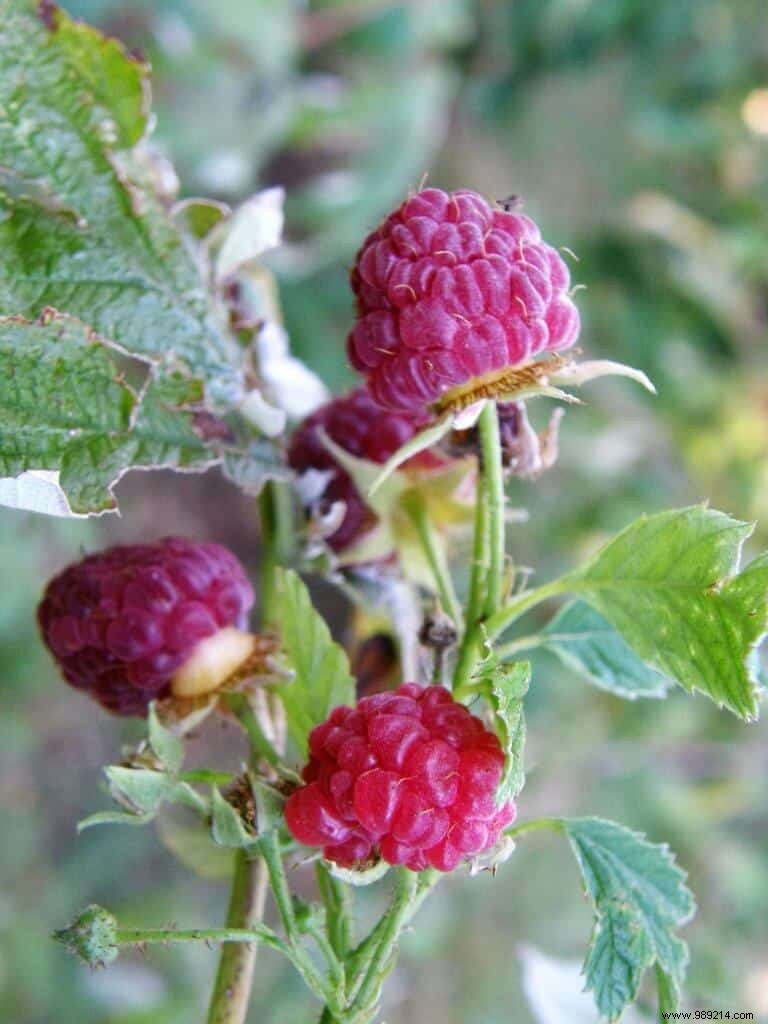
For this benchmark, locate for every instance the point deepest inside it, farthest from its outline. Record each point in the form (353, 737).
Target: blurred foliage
(623, 125)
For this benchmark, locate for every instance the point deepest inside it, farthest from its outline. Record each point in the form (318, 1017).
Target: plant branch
(142, 936)
(493, 473)
(335, 897)
(232, 989)
(269, 844)
(234, 978)
(374, 957)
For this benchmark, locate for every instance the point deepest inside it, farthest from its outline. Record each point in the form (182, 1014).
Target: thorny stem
(493, 472)
(232, 989)
(373, 959)
(433, 551)
(335, 897)
(142, 936)
(486, 578)
(269, 844)
(234, 978)
(504, 617)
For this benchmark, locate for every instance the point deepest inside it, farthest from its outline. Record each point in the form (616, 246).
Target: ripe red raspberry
(410, 775)
(361, 427)
(451, 294)
(141, 621)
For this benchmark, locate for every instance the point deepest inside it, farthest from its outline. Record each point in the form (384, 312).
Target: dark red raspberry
(410, 775)
(122, 624)
(361, 427)
(451, 293)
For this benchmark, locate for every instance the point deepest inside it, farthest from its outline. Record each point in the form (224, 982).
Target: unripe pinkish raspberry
(452, 295)
(410, 776)
(142, 621)
(361, 427)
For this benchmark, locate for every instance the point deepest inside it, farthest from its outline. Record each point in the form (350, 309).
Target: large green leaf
(65, 405)
(640, 899)
(668, 584)
(586, 643)
(82, 229)
(321, 679)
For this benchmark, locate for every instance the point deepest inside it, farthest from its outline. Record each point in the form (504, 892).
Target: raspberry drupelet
(408, 775)
(361, 427)
(142, 621)
(452, 295)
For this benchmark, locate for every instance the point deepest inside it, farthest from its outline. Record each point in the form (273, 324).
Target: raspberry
(409, 775)
(141, 621)
(452, 294)
(361, 427)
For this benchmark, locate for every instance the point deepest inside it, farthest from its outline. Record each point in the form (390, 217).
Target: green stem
(468, 649)
(374, 958)
(506, 652)
(239, 705)
(486, 586)
(535, 825)
(493, 472)
(335, 897)
(435, 555)
(270, 849)
(479, 554)
(505, 616)
(232, 989)
(142, 936)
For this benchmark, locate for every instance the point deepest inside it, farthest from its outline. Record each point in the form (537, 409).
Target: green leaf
(65, 406)
(586, 643)
(667, 583)
(227, 826)
(114, 818)
(322, 680)
(166, 746)
(507, 686)
(640, 899)
(83, 230)
(145, 790)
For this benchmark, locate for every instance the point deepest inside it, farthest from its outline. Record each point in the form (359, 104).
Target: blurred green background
(636, 132)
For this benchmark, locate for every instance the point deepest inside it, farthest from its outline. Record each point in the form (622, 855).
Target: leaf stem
(505, 652)
(535, 825)
(417, 511)
(505, 616)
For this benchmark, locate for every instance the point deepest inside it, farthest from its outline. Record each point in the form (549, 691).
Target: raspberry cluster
(120, 623)
(358, 425)
(450, 293)
(409, 775)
